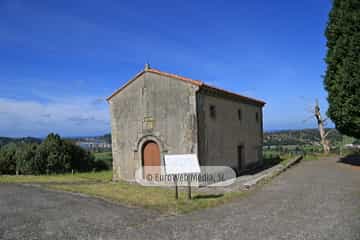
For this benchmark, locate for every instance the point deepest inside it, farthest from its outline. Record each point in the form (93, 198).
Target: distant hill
(299, 137)
(6, 140)
(105, 138)
(271, 138)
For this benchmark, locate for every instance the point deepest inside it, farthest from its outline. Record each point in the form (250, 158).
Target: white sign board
(181, 164)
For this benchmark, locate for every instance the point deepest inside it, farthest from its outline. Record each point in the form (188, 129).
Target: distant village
(94, 145)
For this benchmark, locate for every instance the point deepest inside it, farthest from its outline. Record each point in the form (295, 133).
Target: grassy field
(103, 160)
(103, 176)
(160, 199)
(317, 156)
(309, 153)
(103, 156)
(99, 184)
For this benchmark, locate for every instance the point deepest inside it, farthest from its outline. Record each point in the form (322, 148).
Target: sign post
(182, 164)
(189, 187)
(176, 188)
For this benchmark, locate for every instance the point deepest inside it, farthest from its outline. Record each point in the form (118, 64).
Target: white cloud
(72, 116)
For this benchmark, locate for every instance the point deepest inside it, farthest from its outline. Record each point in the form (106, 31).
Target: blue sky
(60, 59)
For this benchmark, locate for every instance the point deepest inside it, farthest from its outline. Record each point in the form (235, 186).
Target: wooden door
(151, 158)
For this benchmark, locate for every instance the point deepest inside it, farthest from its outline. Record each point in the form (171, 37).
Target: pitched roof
(191, 81)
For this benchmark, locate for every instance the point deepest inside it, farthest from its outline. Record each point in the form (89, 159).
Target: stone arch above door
(148, 138)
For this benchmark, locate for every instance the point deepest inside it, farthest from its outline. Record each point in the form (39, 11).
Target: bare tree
(321, 126)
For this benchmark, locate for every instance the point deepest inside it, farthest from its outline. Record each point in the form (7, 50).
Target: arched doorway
(151, 158)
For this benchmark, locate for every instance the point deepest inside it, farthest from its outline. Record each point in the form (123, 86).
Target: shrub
(24, 156)
(7, 159)
(53, 155)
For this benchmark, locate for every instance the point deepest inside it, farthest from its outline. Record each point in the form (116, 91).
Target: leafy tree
(39, 162)
(80, 159)
(53, 155)
(58, 159)
(342, 79)
(56, 155)
(7, 159)
(24, 156)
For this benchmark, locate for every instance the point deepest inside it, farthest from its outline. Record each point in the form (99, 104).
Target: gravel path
(314, 200)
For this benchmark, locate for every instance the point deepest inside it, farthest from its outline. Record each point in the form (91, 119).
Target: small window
(212, 111)
(239, 114)
(257, 116)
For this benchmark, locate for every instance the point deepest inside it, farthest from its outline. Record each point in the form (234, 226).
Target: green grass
(103, 156)
(272, 160)
(103, 176)
(99, 184)
(347, 152)
(103, 160)
(160, 199)
(317, 156)
(285, 161)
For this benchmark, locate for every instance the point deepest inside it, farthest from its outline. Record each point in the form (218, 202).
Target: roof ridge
(233, 93)
(196, 82)
(186, 79)
(202, 84)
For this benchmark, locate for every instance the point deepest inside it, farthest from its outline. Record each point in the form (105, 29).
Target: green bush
(80, 159)
(103, 161)
(53, 155)
(24, 156)
(7, 159)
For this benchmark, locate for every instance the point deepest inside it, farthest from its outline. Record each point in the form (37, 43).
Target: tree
(58, 159)
(24, 156)
(56, 155)
(7, 159)
(81, 159)
(342, 79)
(325, 143)
(53, 155)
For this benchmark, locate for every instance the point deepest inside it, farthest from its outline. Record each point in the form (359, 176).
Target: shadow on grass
(352, 159)
(209, 196)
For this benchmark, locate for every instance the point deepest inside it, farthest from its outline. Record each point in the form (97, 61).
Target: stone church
(158, 113)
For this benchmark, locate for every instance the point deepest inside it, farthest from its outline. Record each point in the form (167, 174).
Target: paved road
(314, 200)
